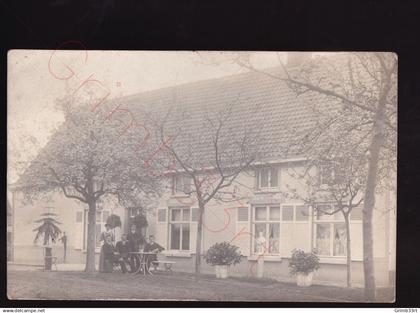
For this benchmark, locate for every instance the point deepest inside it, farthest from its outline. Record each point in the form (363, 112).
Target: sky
(36, 78)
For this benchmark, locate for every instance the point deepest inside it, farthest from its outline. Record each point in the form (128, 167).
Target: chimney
(295, 59)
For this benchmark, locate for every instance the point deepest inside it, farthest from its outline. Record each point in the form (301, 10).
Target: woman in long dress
(106, 233)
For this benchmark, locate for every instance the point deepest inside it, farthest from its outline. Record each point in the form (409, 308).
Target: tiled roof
(264, 107)
(261, 104)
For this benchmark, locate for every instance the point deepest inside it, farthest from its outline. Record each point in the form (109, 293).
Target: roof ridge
(238, 76)
(259, 71)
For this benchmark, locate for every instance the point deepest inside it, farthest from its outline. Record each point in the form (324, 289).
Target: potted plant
(303, 266)
(50, 232)
(221, 256)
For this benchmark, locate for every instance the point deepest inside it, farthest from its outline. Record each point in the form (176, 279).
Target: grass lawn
(179, 286)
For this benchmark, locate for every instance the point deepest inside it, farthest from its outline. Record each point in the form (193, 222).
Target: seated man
(123, 249)
(110, 258)
(134, 240)
(154, 247)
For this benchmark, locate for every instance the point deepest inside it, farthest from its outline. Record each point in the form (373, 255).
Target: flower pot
(221, 271)
(303, 279)
(224, 271)
(217, 271)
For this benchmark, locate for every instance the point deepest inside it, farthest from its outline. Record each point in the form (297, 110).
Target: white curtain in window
(340, 240)
(323, 239)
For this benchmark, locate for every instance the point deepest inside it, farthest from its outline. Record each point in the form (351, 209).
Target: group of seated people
(121, 252)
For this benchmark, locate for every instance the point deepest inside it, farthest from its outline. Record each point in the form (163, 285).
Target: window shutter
(162, 215)
(242, 215)
(194, 214)
(242, 237)
(78, 237)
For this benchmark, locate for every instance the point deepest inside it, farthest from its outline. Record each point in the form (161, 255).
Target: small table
(142, 258)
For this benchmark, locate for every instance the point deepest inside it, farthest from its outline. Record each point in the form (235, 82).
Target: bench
(166, 264)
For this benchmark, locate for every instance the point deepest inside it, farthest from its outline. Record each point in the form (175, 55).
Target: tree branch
(63, 188)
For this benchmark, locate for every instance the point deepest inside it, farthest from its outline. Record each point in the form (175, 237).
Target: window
(101, 217)
(267, 178)
(340, 239)
(330, 173)
(133, 211)
(242, 214)
(292, 213)
(181, 184)
(330, 232)
(302, 213)
(287, 213)
(266, 223)
(179, 229)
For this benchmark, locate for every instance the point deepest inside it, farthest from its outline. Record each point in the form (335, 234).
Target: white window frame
(280, 221)
(331, 222)
(170, 222)
(102, 228)
(269, 187)
(182, 192)
(294, 220)
(333, 173)
(266, 222)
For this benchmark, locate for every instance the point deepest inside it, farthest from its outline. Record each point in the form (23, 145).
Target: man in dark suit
(110, 258)
(135, 239)
(123, 249)
(154, 247)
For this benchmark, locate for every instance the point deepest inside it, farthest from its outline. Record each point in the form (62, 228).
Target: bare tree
(361, 90)
(335, 180)
(212, 155)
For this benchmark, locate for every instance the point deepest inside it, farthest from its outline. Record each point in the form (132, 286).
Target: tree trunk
(368, 266)
(198, 242)
(369, 203)
(91, 240)
(348, 247)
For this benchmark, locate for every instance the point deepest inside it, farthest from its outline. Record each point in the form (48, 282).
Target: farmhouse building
(262, 104)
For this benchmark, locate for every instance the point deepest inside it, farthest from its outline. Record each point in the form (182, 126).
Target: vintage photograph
(201, 176)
